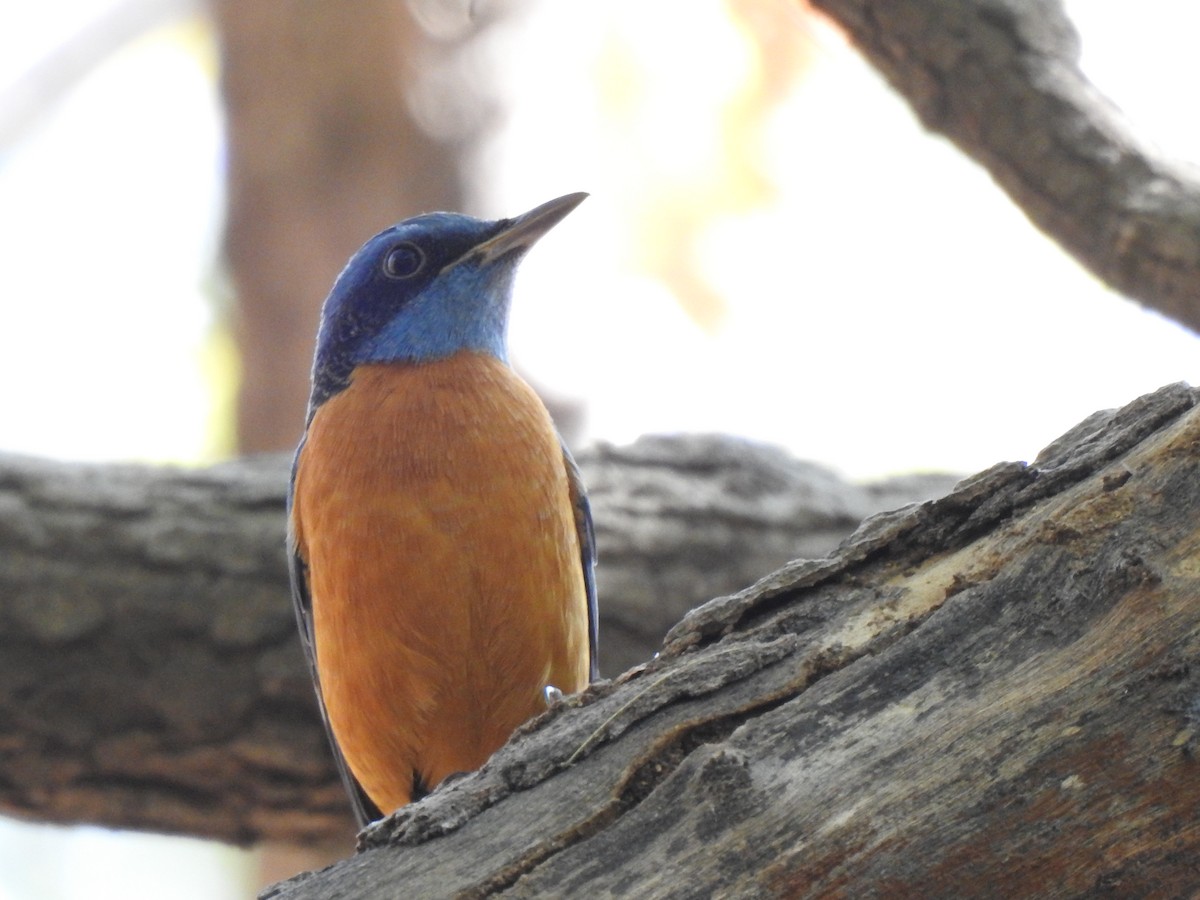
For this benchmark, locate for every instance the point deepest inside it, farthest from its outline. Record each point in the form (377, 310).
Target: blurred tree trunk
(323, 151)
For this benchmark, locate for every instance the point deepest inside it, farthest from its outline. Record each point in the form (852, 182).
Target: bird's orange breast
(433, 511)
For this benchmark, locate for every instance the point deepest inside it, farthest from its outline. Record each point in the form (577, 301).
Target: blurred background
(773, 248)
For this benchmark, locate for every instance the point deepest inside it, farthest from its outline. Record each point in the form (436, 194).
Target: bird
(440, 540)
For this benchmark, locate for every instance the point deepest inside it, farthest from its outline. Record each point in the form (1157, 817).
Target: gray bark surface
(993, 694)
(150, 672)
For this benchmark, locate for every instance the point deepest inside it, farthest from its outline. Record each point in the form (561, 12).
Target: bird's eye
(403, 261)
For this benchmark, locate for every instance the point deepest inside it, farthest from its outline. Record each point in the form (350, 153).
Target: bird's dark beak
(522, 232)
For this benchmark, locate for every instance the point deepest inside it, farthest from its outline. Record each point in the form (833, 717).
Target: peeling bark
(996, 693)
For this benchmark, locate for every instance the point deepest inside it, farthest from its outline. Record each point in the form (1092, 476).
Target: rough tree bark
(992, 694)
(1001, 79)
(150, 675)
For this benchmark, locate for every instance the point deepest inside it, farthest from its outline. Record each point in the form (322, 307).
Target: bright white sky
(881, 309)
(889, 311)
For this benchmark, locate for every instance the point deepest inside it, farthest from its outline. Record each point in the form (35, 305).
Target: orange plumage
(434, 515)
(441, 546)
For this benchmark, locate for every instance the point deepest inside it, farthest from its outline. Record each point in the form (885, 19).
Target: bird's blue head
(424, 290)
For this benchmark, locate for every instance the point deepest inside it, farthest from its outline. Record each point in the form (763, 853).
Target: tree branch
(1001, 79)
(150, 675)
(150, 672)
(981, 695)
(27, 99)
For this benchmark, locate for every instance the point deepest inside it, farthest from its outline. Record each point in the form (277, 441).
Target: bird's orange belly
(433, 511)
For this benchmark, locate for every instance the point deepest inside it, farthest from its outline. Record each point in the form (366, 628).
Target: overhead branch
(1001, 79)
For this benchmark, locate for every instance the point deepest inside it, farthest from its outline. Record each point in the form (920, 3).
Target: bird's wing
(587, 553)
(364, 810)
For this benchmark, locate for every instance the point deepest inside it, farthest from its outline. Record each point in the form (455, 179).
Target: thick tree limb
(1001, 79)
(150, 671)
(682, 519)
(150, 675)
(992, 694)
